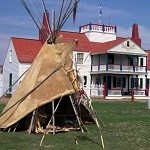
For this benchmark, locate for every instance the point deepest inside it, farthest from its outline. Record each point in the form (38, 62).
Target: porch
(100, 92)
(118, 85)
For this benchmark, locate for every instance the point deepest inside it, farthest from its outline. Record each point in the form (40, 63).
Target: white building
(20, 54)
(110, 65)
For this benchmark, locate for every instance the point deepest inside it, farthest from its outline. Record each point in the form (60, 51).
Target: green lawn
(127, 128)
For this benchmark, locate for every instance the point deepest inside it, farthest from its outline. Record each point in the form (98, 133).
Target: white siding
(85, 69)
(10, 67)
(100, 37)
(23, 67)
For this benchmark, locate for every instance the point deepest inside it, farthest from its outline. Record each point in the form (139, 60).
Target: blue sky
(15, 21)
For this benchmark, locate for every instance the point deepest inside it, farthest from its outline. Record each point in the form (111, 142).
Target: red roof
(85, 45)
(27, 49)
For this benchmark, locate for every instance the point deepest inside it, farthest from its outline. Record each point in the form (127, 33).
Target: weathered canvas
(50, 76)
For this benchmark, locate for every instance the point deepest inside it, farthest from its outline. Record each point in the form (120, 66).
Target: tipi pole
(53, 117)
(76, 113)
(9, 129)
(32, 120)
(54, 113)
(94, 116)
(50, 121)
(16, 126)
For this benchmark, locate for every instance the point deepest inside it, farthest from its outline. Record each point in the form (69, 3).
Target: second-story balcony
(116, 68)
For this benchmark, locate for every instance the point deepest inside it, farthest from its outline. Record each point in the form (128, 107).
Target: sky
(16, 22)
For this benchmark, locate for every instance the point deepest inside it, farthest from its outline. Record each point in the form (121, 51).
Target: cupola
(99, 32)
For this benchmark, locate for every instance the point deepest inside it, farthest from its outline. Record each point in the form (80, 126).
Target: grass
(127, 128)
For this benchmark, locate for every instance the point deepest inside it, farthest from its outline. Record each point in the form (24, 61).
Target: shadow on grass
(85, 138)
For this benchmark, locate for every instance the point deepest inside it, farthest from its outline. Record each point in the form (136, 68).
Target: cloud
(145, 36)
(15, 20)
(3, 48)
(124, 32)
(4, 41)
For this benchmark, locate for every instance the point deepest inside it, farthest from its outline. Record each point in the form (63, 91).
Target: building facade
(119, 66)
(110, 66)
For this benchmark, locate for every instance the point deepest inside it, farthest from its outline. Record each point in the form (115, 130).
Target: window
(10, 82)
(136, 61)
(141, 61)
(110, 59)
(128, 44)
(98, 80)
(117, 82)
(85, 80)
(10, 56)
(124, 82)
(80, 57)
(130, 61)
(147, 82)
(141, 83)
(136, 82)
(114, 82)
(1, 69)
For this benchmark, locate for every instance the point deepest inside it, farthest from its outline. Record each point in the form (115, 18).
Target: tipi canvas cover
(50, 77)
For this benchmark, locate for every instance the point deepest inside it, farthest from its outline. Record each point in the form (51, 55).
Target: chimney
(135, 35)
(44, 31)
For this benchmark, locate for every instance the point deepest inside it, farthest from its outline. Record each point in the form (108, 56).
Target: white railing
(115, 67)
(102, 67)
(140, 68)
(94, 68)
(98, 28)
(139, 92)
(85, 28)
(96, 90)
(114, 92)
(127, 68)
